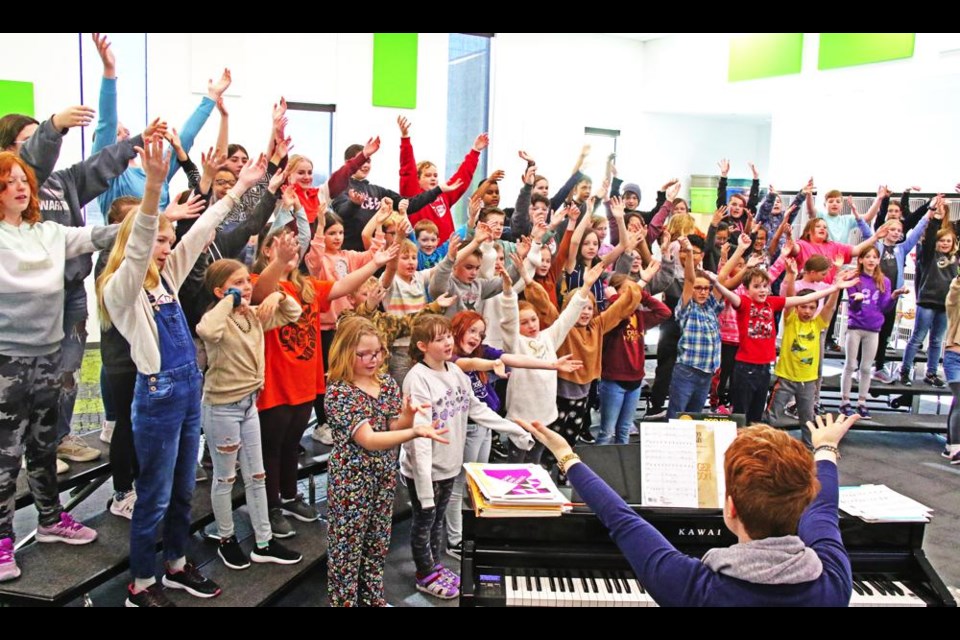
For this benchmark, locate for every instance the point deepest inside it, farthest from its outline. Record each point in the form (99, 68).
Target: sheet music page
(668, 464)
(724, 432)
(878, 502)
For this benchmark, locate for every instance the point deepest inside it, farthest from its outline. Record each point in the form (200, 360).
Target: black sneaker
(232, 555)
(279, 525)
(586, 437)
(906, 378)
(276, 553)
(934, 380)
(819, 410)
(497, 450)
(299, 509)
(455, 550)
(191, 581)
(152, 596)
(655, 414)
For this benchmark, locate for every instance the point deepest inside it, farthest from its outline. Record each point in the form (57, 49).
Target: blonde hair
(408, 248)
(117, 255)
(295, 159)
(302, 284)
(423, 166)
(344, 348)
(681, 224)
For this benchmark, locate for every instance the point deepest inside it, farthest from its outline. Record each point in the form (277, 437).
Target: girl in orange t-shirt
(293, 375)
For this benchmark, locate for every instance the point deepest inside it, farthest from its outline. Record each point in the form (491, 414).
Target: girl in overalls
(137, 294)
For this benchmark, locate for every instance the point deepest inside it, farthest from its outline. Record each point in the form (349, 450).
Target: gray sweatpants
(805, 394)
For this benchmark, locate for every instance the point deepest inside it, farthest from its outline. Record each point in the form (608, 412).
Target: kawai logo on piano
(713, 533)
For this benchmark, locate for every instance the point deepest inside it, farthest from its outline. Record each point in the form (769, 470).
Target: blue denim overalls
(166, 435)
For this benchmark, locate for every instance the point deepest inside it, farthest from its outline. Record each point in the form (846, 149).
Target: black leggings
(326, 339)
(281, 428)
(123, 456)
(953, 418)
(885, 332)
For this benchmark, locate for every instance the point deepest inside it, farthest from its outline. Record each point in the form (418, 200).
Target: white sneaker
(62, 467)
(323, 434)
(106, 434)
(74, 448)
(124, 508)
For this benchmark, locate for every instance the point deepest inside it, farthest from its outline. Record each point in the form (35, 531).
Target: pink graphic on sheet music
(524, 485)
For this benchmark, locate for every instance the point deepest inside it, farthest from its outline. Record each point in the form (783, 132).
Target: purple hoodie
(867, 314)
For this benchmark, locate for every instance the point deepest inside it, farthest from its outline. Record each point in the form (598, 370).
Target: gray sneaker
(279, 525)
(299, 509)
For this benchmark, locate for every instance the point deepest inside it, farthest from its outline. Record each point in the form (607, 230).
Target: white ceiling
(640, 37)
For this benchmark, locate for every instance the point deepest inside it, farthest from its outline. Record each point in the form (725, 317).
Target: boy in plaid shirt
(698, 354)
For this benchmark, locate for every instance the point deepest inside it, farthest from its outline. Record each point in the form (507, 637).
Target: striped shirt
(700, 341)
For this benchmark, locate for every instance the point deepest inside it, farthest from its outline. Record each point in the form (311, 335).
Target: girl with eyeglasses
(368, 424)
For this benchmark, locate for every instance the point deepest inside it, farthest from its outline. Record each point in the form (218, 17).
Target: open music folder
(681, 462)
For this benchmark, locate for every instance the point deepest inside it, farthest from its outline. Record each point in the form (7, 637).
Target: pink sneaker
(724, 410)
(8, 564)
(67, 530)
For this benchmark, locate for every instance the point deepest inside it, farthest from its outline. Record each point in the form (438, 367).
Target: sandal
(449, 576)
(437, 585)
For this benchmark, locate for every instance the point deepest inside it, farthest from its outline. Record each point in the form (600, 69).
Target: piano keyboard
(598, 588)
(880, 591)
(573, 588)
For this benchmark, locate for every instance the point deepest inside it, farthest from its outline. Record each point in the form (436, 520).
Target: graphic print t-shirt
(293, 371)
(800, 350)
(758, 329)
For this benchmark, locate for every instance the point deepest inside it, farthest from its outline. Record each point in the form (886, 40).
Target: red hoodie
(440, 210)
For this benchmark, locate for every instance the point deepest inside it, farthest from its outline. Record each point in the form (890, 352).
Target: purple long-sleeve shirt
(678, 580)
(868, 314)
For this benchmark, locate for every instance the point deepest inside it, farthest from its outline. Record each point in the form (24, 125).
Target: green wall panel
(765, 55)
(850, 49)
(395, 70)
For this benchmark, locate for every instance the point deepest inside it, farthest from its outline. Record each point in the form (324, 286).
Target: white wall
(852, 128)
(547, 87)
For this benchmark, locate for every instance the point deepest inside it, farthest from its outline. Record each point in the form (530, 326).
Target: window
(603, 143)
(311, 127)
(468, 98)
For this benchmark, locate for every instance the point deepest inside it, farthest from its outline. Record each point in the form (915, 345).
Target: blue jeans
(475, 449)
(951, 366)
(934, 323)
(689, 389)
(618, 406)
(72, 345)
(751, 382)
(233, 433)
(166, 435)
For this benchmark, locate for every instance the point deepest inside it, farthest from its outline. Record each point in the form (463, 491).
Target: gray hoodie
(64, 194)
(778, 560)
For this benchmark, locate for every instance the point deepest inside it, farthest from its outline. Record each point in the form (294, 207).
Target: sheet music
(724, 433)
(878, 502)
(668, 464)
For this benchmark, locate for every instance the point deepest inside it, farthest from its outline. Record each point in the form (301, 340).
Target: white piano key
(547, 597)
(909, 598)
(513, 595)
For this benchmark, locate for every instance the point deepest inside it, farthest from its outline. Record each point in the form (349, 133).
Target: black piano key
(529, 585)
(585, 584)
(866, 590)
(513, 581)
(625, 579)
(891, 586)
(536, 581)
(593, 583)
(613, 584)
(553, 583)
(856, 587)
(569, 579)
(877, 586)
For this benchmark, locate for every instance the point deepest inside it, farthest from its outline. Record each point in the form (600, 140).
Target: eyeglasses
(701, 289)
(370, 356)
(224, 183)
